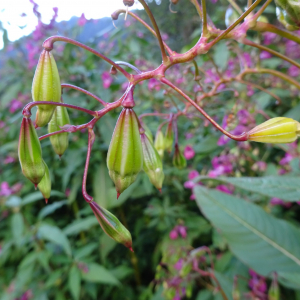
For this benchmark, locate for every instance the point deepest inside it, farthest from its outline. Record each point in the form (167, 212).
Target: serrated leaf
(263, 242)
(284, 187)
(55, 235)
(74, 282)
(97, 273)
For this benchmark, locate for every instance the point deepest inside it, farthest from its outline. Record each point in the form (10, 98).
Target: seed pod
(291, 10)
(274, 293)
(125, 153)
(152, 162)
(159, 143)
(45, 184)
(30, 152)
(60, 142)
(46, 87)
(169, 137)
(112, 226)
(276, 130)
(285, 20)
(178, 160)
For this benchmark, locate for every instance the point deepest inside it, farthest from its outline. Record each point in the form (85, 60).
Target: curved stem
(275, 73)
(240, 138)
(158, 35)
(48, 45)
(71, 86)
(134, 68)
(198, 7)
(27, 108)
(257, 86)
(91, 140)
(245, 14)
(263, 27)
(275, 53)
(119, 11)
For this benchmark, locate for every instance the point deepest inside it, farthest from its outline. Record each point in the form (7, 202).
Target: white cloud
(17, 26)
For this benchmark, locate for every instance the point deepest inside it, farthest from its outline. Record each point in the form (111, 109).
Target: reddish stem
(27, 109)
(240, 138)
(74, 87)
(48, 45)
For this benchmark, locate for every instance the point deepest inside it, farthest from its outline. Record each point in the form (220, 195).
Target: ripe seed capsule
(60, 142)
(152, 162)
(159, 143)
(276, 130)
(125, 153)
(46, 87)
(45, 184)
(30, 152)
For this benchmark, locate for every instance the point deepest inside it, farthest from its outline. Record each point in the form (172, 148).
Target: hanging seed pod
(159, 143)
(45, 184)
(274, 293)
(276, 130)
(112, 226)
(169, 137)
(46, 87)
(30, 152)
(125, 153)
(60, 142)
(152, 162)
(178, 160)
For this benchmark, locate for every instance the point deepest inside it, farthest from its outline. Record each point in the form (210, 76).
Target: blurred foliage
(58, 251)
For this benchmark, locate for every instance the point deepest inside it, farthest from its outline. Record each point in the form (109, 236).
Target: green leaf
(50, 208)
(97, 273)
(208, 144)
(55, 235)
(74, 282)
(17, 226)
(225, 283)
(263, 242)
(80, 225)
(35, 196)
(205, 295)
(283, 187)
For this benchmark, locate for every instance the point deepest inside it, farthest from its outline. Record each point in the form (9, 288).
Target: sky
(17, 26)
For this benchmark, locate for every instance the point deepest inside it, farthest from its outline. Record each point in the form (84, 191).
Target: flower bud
(30, 152)
(276, 130)
(159, 143)
(274, 293)
(178, 160)
(169, 137)
(152, 162)
(46, 87)
(112, 226)
(60, 142)
(45, 184)
(125, 153)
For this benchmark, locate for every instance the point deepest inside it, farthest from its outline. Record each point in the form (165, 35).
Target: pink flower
(265, 55)
(193, 174)
(293, 71)
(153, 84)
(189, 184)
(178, 266)
(15, 105)
(82, 20)
(182, 231)
(9, 160)
(5, 190)
(107, 79)
(173, 234)
(286, 159)
(189, 152)
(223, 188)
(277, 201)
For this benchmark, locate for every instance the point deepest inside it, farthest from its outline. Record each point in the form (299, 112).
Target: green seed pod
(276, 130)
(45, 184)
(159, 143)
(230, 16)
(291, 10)
(30, 152)
(46, 87)
(169, 137)
(125, 153)
(274, 293)
(60, 142)
(285, 20)
(178, 160)
(152, 162)
(111, 225)
(147, 131)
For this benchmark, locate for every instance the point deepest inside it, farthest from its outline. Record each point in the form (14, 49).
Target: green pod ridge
(179, 160)
(111, 225)
(159, 143)
(169, 138)
(30, 152)
(45, 184)
(125, 153)
(46, 87)
(60, 142)
(153, 166)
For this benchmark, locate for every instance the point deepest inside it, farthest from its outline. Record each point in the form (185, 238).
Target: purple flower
(265, 55)
(269, 37)
(189, 184)
(173, 234)
(82, 20)
(259, 166)
(293, 71)
(178, 266)
(153, 84)
(182, 231)
(286, 159)
(277, 201)
(193, 174)
(5, 190)
(189, 152)
(247, 59)
(223, 140)
(223, 188)
(107, 79)
(15, 105)
(9, 160)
